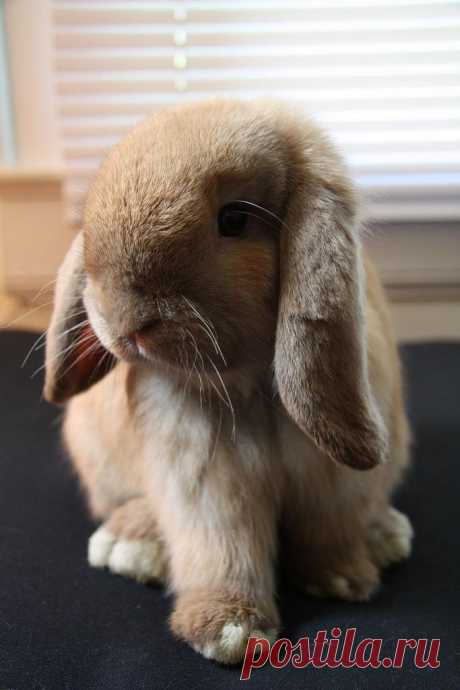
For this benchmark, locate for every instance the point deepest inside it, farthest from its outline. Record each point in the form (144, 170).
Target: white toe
(402, 535)
(334, 585)
(99, 547)
(392, 542)
(232, 643)
(141, 560)
(340, 586)
(230, 646)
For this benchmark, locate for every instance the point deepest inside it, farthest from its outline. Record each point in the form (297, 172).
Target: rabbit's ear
(320, 356)
(73, 352)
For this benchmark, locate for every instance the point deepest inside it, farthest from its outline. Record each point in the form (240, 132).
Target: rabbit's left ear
(321, 354)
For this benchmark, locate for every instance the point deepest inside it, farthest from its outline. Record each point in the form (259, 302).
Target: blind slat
(76, 13)
(112, 106)
(400, 95)
(431, 57)
(240, 35)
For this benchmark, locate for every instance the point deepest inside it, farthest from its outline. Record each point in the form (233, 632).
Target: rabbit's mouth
(184, 346)
(170, 330)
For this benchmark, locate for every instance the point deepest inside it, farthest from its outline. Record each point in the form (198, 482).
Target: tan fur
(133, 520)
(194, 444)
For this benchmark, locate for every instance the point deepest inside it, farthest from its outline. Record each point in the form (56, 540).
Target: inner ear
(80, 362)
(75, 358)
(90, 359)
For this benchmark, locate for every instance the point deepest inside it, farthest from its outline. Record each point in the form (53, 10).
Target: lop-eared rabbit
(225, 354)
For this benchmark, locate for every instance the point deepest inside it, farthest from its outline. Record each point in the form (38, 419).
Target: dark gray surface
(66, 626)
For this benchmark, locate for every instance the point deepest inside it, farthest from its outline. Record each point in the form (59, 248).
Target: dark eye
(232, 222)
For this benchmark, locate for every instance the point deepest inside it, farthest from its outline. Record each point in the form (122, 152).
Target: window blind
(382, 76)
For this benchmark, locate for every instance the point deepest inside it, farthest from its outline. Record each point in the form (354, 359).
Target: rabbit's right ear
(73, 352)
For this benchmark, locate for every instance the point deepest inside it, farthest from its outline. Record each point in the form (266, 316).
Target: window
(382, 76)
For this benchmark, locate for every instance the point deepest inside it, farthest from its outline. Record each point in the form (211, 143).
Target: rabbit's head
(221, 238)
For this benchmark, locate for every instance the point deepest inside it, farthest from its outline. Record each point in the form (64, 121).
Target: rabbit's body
(195, 469)
(216, 504)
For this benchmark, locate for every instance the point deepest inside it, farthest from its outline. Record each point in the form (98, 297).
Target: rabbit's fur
(266, 374)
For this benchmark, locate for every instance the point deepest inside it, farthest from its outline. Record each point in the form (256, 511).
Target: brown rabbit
(239, 370)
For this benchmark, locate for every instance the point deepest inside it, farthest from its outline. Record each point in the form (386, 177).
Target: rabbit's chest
(178, 429)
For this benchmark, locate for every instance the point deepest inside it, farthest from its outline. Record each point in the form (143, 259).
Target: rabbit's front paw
(390, 538)
(219, 626)
(142, 559)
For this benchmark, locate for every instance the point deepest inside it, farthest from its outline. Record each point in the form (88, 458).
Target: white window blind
(382, 76)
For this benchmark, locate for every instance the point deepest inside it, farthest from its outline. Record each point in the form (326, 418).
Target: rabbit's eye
(232, 222)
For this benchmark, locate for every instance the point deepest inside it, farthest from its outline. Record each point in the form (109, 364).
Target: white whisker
(264, 210)
(84, 354)
(216, 442)
(227, 395)
(38, 344)
(64, 352)
(104, 356)
(43, 289)
(208, 328)
(28, 313)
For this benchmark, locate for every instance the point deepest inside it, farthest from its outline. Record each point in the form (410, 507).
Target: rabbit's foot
(128, 544)
(390, 538)
(219, 626)
(352, 581)
(144, 560)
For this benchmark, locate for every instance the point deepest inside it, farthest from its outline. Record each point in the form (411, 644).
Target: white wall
(28, 26)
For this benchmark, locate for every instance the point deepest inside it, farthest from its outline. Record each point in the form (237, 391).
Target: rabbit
(232, 388)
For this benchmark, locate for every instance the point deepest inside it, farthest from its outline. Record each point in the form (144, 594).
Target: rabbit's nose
(141, 336)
